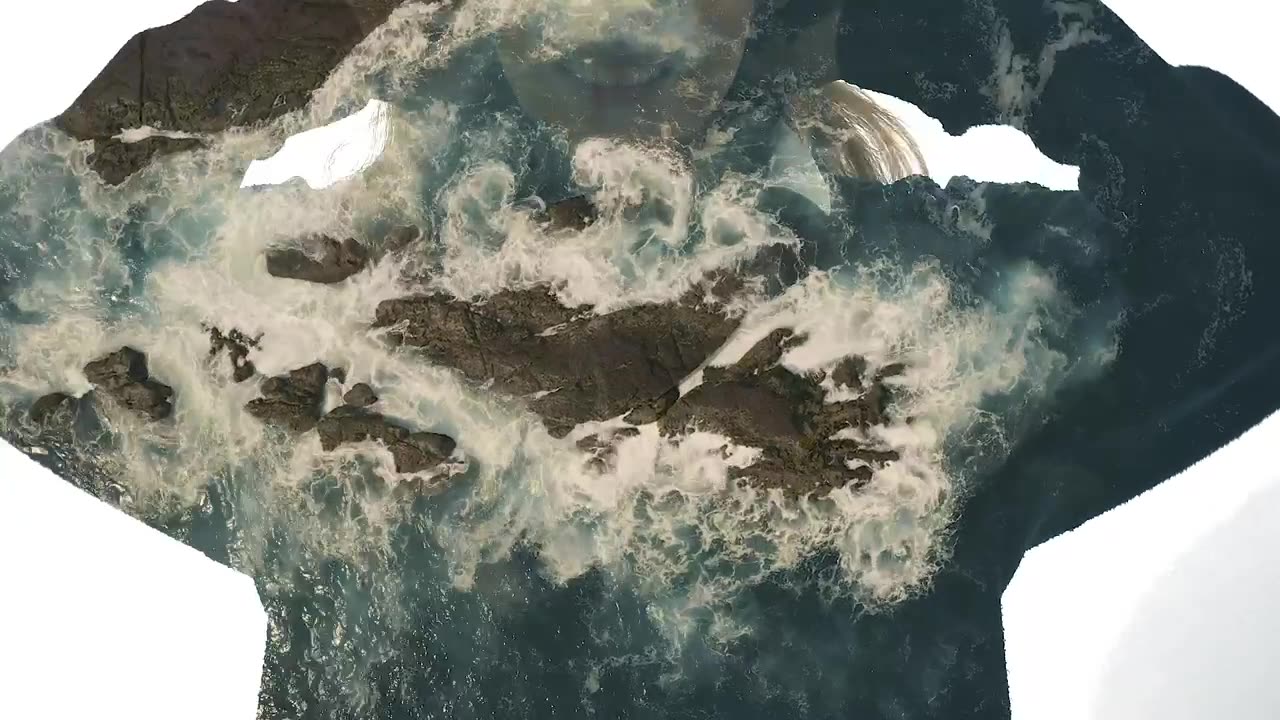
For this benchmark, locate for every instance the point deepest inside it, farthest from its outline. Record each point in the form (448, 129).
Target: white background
(1164, 608)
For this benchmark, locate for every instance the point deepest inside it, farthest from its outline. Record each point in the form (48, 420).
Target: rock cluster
(412, 451)
(237, 345)
(123, 377)
(294, 401)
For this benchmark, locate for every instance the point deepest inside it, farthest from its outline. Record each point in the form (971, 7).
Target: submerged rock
(360, 395)
(223, 65)
(323, 260)
(294, 401)
(412, 451)
(575, 213)
(579, 366)
(400, 237)
(50, 406)
(237, 346)
(760, 404)
(123, 377)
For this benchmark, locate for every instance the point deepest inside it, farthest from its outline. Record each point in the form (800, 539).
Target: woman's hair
(849, 133)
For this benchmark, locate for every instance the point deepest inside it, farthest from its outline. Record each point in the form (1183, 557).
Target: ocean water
(534, 585)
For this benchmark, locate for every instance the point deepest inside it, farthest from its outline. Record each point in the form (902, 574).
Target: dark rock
(760, 404)
(123, 377)
(763, 355)
(575, 213)
(850, 372)
(294, 401)
(411, 451)
(325, 260)
(339, 374)
(223, 65)
(361, 395)
(237, 346)
(591, 367)
(891, 370)
(115, 160)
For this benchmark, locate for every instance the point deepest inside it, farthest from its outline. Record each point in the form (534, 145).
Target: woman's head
(631, 68)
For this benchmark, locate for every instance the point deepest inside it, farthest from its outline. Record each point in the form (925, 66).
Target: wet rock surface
(412, 451)
(760, 404)
(124, 378)
(294, 401)
(49, 407)
(319, 260)
(237, 346)
(579, 366)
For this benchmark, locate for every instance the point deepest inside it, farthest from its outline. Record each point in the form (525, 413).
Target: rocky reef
(576, 366)
(573, 366)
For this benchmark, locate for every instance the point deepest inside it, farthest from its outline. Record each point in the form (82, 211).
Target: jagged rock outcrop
(223, 65)
(237, 345)
(320, 259)
(360, 395)
(412, 452)
(123, 377)
(577, 365)
(294, 401)
(760, 404)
